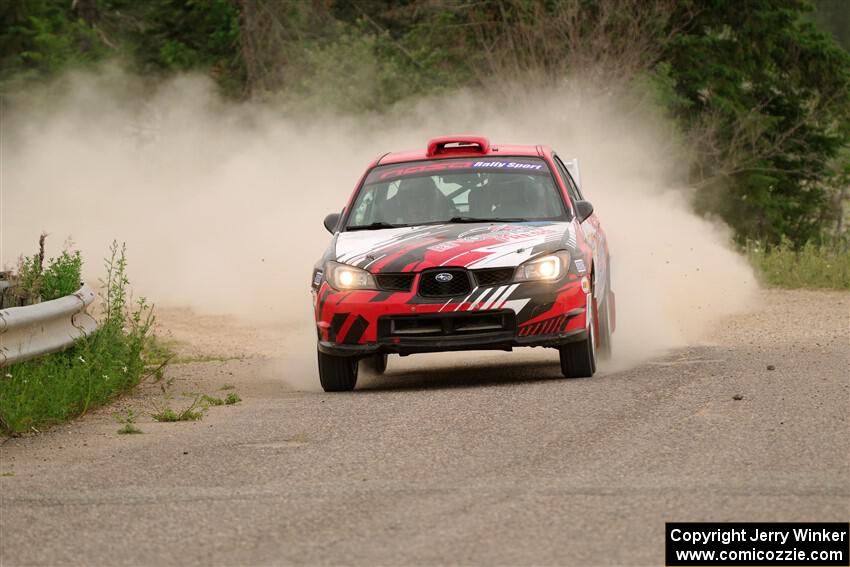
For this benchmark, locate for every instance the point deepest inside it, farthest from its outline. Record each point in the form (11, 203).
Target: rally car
(463, 246)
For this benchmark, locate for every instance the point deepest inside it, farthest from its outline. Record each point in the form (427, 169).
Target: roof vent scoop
(458, 145)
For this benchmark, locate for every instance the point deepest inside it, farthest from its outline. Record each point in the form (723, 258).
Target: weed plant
(194, 412)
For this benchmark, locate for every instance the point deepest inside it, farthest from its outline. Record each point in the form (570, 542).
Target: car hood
(479, 245)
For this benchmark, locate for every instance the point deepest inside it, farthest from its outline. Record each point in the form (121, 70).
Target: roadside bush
(812, 266)
(62, 276)
(34, 282)
(95, 370)
(28, 279)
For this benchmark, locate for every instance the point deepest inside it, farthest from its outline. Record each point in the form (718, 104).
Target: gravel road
(469, 458)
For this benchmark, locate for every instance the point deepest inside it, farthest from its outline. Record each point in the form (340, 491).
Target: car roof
(463, 146)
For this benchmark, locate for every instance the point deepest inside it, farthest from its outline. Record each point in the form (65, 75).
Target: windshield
(457, 190)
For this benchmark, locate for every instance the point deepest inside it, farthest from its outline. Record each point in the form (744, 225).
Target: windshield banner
(533, 166)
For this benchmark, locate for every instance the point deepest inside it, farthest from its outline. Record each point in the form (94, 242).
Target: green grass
(229, 400)
(212, 401)
(64, 385)
(812, 266)
(193, 412)
(165, 415)
(196, 410)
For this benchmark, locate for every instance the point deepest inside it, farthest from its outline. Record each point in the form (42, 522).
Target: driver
(419, 201)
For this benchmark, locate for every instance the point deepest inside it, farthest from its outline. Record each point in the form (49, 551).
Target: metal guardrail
(34, 330)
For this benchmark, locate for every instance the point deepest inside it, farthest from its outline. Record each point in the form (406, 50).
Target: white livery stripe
(455, 257)
(465, 299)
(350, 247)
(516, 304)
(507, 294)
(480, 297)
(494, 297)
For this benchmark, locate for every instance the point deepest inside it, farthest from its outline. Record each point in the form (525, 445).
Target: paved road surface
(482, 459)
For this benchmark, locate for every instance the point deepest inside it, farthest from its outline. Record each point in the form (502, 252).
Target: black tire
(378, 362)
(578, 359)
(337, 373)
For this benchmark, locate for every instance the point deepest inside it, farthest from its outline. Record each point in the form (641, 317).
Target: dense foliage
(760, 93)
(768, 105)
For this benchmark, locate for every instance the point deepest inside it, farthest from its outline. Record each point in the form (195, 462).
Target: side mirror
(331, 221)
(583, 210)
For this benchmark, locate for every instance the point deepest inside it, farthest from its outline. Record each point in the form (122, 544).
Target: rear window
(464, 189)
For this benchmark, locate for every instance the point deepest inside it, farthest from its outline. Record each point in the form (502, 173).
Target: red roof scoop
(458, 145)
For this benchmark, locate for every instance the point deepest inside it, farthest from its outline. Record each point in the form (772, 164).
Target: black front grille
(444, 283)
(443, 325)
(494, 276)
(395, 282)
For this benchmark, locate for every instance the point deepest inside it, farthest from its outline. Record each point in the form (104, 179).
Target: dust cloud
(221, 204)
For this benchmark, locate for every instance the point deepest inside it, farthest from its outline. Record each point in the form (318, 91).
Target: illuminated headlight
(342, 276)
(545, 268)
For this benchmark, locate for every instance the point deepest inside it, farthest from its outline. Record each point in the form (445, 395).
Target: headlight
(546, 268)
(342, 276)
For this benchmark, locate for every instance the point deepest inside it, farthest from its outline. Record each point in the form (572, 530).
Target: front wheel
(578, 359)
(337, 373)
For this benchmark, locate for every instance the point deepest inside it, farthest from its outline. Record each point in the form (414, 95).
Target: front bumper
(492, 341)
(361, 323)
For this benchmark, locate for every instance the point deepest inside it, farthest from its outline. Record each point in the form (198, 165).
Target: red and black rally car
(463, 246)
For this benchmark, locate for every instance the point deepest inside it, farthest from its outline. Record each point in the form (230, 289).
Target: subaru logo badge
(444, 277)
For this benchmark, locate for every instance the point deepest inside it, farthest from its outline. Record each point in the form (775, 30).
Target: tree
(765, 98)
(39, 38)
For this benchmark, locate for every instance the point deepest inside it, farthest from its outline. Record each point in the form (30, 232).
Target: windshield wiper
(374, 226)
(473, 219)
